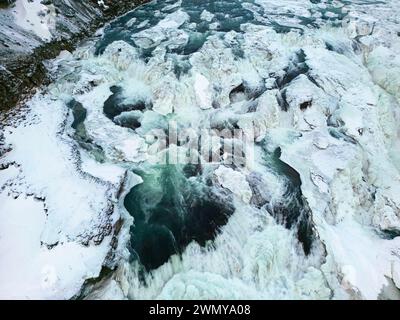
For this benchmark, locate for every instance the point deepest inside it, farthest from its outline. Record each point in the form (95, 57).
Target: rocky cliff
(32, 31)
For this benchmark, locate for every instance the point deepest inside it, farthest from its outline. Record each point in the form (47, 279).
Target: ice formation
(315, 215)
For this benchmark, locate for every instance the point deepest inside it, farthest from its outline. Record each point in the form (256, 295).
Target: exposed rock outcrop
(33, 31)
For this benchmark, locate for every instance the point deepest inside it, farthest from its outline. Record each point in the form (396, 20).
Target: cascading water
(180, 205)
(170, 92)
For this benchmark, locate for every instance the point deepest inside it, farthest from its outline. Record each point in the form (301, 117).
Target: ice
(235, 182)
(244, 259)
(203, 91)
(206, 15)
(320, 84)
(384, 66)
(166, 28)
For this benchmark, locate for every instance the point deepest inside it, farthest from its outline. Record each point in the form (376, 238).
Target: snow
(32, 15)
(335, 180)
(29, 270)
(364, 259)
(105, 171)
(340, 134)
(49, 210)
(101, 3)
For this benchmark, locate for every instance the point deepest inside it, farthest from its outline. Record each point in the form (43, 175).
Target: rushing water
(171, 209)
(180, 204)
(206, 229)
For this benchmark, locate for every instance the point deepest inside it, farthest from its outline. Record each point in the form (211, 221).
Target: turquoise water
(230, 15)
(178, 204)
(173, 207)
